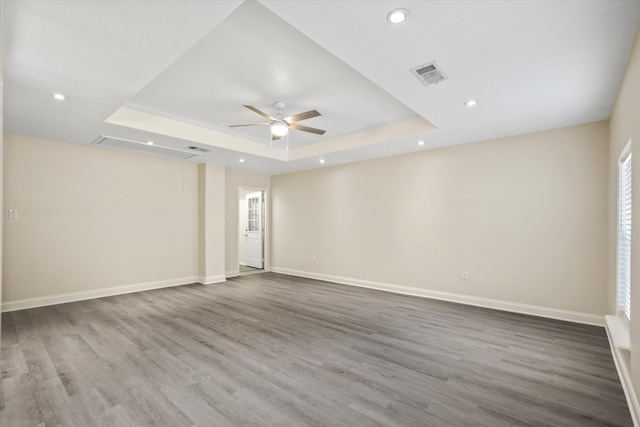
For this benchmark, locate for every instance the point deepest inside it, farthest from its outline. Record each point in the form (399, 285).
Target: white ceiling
(179, 72)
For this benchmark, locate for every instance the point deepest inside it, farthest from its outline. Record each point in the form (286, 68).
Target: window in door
(253, 214)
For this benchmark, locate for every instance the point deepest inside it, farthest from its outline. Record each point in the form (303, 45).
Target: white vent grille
(200, 149)
(429, 74)
(143, 147)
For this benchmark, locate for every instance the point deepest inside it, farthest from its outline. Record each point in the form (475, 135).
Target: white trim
(534, 310)
(625, 378)
(618, 331)
(625, 151)
(212, 279)
(22, 304)
(232, 273)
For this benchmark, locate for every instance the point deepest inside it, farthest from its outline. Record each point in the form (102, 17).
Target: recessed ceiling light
(471, 103)
(149, 142)
(397, 16)
(59, 96)
(321, 161)
(420, 143)
(241, 160)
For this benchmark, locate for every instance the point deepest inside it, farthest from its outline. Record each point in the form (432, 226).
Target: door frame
(266, 219)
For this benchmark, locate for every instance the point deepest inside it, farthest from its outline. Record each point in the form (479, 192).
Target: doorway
(251, 230)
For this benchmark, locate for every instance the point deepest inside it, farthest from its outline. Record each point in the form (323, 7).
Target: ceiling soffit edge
(374, 135)
(136, 119)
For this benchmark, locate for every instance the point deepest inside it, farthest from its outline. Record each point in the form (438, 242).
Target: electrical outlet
(13, 214)
(314, 258)
(465, 275)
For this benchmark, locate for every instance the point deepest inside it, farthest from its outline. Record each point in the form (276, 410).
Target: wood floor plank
(271, 349)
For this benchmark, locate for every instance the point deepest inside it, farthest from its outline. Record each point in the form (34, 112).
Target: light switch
(13, 214)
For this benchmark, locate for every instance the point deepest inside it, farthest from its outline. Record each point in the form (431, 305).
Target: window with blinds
(624, 235)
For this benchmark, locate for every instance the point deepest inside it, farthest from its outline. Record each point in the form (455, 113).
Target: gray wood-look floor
(271, 349)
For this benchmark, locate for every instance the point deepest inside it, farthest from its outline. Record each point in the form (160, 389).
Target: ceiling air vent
(200, 149)
(143, 147)
(429, 74)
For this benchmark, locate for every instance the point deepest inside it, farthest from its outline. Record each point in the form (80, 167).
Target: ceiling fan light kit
(279, 128)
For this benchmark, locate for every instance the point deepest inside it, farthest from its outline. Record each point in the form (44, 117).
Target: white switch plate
(13, 214)
(465, 275)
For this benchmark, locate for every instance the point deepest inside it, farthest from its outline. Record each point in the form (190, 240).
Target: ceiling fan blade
(263, 114)
(307, 129)
(250, 124)
(302, 116)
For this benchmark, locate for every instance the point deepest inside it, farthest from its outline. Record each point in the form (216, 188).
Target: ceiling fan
(280, 125)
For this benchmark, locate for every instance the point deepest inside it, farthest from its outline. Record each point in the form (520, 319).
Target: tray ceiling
(179, 73)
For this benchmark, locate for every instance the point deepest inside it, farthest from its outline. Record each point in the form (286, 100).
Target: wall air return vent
(429, 74)
(143, 147)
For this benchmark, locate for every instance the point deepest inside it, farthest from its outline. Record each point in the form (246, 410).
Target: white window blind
(624, 236)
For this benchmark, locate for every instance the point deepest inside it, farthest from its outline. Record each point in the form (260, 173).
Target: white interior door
(253, 246)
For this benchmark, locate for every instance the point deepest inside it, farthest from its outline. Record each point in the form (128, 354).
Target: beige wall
(525, 216)
(91, 218)
(1, 169)
(234, 180)
(211, 189)
(625, 127)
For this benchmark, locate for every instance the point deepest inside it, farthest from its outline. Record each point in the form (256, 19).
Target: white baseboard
(625, 379)
(97, 293)
(212, 279)
(534, 310)
(232, 273)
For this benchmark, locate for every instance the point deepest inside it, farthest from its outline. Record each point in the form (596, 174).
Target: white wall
(524, 215)
(91, 218)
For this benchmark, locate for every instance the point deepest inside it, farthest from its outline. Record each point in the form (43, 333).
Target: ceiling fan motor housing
(279, 106)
